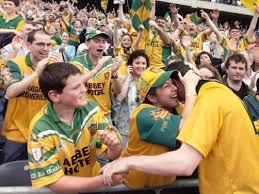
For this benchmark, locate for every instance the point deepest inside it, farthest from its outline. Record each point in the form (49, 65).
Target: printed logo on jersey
(107, 75)
(158, 114)
(37, 153)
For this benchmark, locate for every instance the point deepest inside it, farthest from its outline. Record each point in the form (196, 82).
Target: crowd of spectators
(116, 89)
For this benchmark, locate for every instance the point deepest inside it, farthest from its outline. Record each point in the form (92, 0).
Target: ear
(152, 99)
(28, 45)
(54, 96)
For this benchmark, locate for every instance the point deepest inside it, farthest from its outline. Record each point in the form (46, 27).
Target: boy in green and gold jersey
(67, 135)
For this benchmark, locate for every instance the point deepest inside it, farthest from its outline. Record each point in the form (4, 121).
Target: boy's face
(73, 94)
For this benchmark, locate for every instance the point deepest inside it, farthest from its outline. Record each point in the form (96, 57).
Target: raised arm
(253, 23)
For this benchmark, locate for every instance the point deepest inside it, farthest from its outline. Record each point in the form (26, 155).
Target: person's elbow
(10, 93)
(187, 169)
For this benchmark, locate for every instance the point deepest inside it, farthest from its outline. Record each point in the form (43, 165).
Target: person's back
(224, 134)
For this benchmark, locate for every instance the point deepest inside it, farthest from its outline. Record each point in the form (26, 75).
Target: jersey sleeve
(45, 167)
(158, 126)
(202, 126)
(11, 74)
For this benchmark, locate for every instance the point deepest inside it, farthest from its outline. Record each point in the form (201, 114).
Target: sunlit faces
(235, 33)
(65, 37)
(126, 41)
(236, 71)
(166, 95)
(9, 7)
(40, 47)
(139, 65)
(97, 45)
(204, 59)
(192, 29)
(73, 94)
(161, 23)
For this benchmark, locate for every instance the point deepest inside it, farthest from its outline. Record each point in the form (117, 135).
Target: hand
(173, 9)
(118, 166)
(186, 41)
(153, 24)
(109, 137)
(118, 178)
(116, 64)
(17, 43)
(257, 8)
(205, 15)
(141, 28)
(153, 3)
(190, 81)
(62, 46)
(55, 56)
(129, 71)
(41, 65)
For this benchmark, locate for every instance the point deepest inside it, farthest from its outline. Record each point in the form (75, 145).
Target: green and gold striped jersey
(98, 87)
(56, 149)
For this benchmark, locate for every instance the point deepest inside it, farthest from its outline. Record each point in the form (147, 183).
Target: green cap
(94, 33)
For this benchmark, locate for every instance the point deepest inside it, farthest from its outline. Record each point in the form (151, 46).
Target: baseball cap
(152, 77)
(94, 33)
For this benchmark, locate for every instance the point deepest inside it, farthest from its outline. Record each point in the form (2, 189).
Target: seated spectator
(67, 134)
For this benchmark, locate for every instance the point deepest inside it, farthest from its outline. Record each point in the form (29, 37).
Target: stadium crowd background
(206, 41)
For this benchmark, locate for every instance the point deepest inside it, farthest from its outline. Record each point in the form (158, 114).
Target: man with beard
(99, 86)
(22, 89)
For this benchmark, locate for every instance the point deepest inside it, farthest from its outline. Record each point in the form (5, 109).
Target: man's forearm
(180, 162)
(17, 88)
(73, 184)
(164, 36)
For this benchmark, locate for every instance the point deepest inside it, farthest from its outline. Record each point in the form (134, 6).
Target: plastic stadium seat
(15, 174)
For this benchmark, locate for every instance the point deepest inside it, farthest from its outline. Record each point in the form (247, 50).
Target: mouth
(99, 50)
(174, 97)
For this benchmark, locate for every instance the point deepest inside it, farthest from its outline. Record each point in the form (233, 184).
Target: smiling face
(126, 41)
(73, 94)
(40, 46)
(235, 33)
(166, 96)
(65, 37)
(139, 66)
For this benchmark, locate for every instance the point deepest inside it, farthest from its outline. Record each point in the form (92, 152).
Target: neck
(64, 113)
(249, 71)
(236, 85)
(136, 77)
(10, 15)
(34, 61)
(94, 59)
